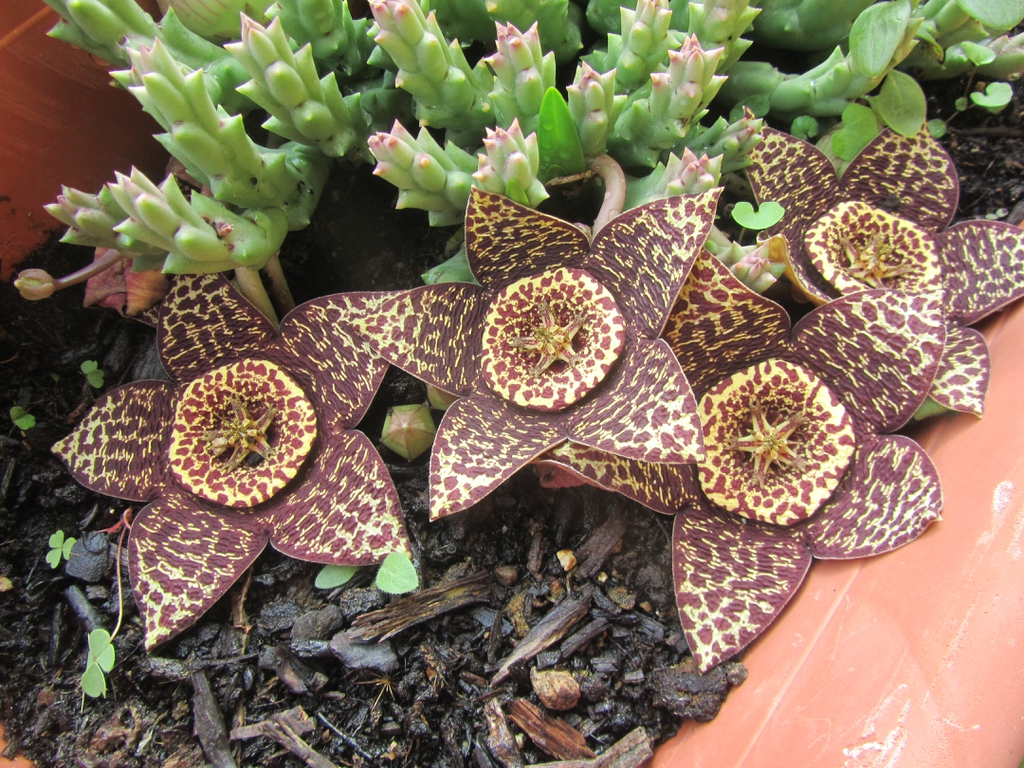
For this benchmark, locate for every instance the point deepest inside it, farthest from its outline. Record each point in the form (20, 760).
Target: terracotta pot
(57, 118)
(912, 659)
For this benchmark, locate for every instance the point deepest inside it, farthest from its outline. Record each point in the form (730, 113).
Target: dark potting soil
(275, 643)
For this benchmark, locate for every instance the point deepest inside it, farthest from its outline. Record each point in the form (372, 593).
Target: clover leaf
(93, 373)
(60, 547)
(769, 214)
(99, 661)
(397, 575)
(332, 576)
(22, 419)
(995, 98)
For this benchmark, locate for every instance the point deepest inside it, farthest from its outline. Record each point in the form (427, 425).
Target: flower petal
(204, 322)
(962, 379)
(433, 332)
(345, 511)
(733, 577)
(718, 325)
(481, 442)
(983, 266)
(644, 255)
(182, 557)
(646, 410)
(878, 350)
(506, 241)
(120, 448)
(335, 366)
(915, 173)
(887, 499)
(661, 487)
(798, 176)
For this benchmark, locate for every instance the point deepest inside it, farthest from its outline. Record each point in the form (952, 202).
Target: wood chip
(500, 741)
(287, 729)
(552, 735)
(592, 553)
(548, 631)
(422, 606)
(209, 723)
(628, 752)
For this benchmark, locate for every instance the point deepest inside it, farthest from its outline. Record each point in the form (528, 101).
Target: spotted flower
(800, 463)
(884, 225)
(251, 444)
(557, 345)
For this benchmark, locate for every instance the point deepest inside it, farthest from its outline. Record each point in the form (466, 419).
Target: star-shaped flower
(884, 225)
(799, 463)
(558, 345)
(253, 444)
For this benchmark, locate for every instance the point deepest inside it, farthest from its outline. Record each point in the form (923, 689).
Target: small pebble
(506, 575)
(556, 689)
(567, 558)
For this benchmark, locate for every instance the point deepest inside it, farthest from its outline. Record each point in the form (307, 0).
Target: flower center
(550, 338)
(778, 442)
(855, 246)
(241, 433)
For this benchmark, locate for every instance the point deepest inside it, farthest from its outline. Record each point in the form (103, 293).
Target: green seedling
(978, 54)
(332, 576)
(60, 548)
(22, 419)
(859, 128)
(93, 374)
(769, 214)
(995, 98)
(805, 127)
(900, 103)
(99, 662)
(397, 575)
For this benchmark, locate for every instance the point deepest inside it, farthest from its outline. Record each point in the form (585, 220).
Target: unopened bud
(35, 284)
(408, 430)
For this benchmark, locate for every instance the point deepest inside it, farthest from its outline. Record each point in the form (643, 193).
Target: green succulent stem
(614, 189)
(250, 285)
(806, 25)
(337, 40)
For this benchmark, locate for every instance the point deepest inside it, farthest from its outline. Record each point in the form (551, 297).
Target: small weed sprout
(60, 548)
(22, 419)
(93, 374)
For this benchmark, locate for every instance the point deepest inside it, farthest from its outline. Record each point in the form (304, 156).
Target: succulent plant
(252, 445)
(883, 224)
(557, 344)
(799, 463)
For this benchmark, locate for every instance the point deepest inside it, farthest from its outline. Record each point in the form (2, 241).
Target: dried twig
(209, 723)
(551, 734)
(628, 752)
(287, 728)
(422, 606)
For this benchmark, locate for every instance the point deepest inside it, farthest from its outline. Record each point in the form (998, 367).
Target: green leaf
(804, 127)
(759, 104)
(94, 682)
(960, 104)
(768, 214)
(22, 419)
(455, 270)
(858, 129)
(332, 576)
(561, 153)
(56, 540)
(69, 543)
(101, 650)
(53, 557)
(397, 575)
(95, 379)
(89, 366)
(937, 128)
(995, 98)
(901, 104)
(875, 36)
(999, 14)
(978, 54)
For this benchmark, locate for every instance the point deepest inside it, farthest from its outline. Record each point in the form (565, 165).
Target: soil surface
(421, 698)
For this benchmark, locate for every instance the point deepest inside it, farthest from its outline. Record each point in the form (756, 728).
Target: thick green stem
(251, 286)
(279, 289)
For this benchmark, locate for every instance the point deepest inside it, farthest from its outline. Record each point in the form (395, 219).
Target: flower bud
(408, 430)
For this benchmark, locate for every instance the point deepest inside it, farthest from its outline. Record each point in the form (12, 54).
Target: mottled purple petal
(962, 379)
(796, 175)
(983, 267)
(204, 323)
(644, 256)
(912, 177)
(433, 332)
(645, 410)
(335, 366)
(183, 557)
(878, 350)
(733, 577)
(119, 448)
(481, 442)
(665, 488)
(887, 499)
(506, 241)
(718, 325)
(345, 509)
